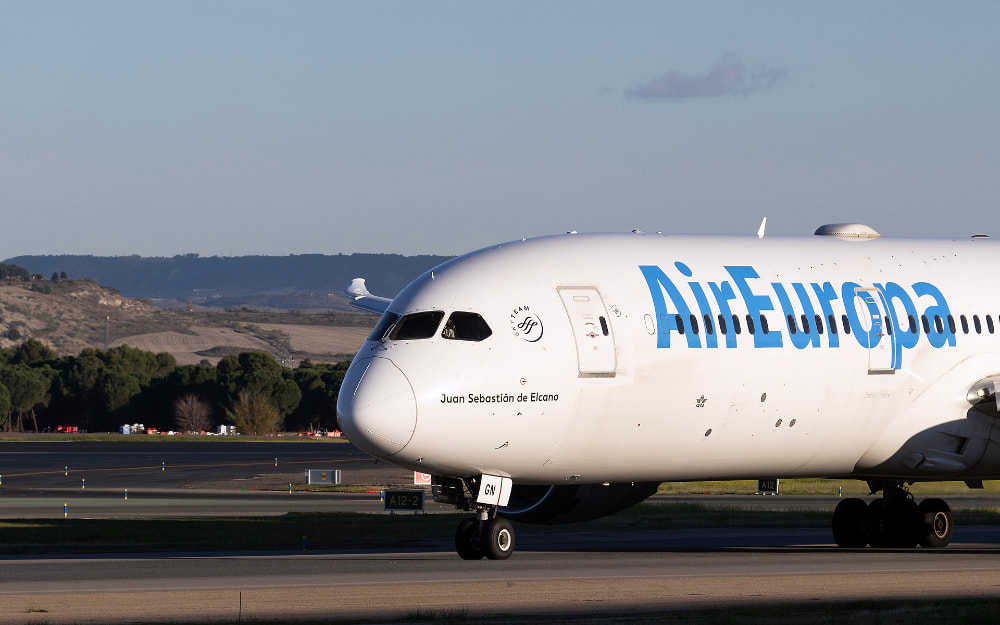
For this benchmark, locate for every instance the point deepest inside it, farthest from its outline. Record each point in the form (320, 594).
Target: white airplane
(563, 378)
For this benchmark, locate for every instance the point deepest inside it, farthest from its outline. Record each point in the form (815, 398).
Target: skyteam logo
(877, 313)
(526, 324)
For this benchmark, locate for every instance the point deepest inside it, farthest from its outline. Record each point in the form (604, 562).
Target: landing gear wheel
(849, 523)
(497, 540)
(873, 524)
(900, 523)
(467, 540)
(936, 525)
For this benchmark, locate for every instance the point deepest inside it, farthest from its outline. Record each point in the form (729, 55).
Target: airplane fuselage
(643, 357)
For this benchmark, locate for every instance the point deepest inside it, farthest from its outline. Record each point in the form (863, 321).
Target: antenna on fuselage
(760, 231)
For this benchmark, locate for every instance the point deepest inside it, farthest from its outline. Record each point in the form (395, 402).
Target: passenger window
(791, 324)
(467, 326)
(763, 325)
(832, 323)
(679, 322)
(938, 324)
(750, 328)
(383, 326)
(722, 324)
(805, 324)
(819, 324)
(975, 322)
(927, 324)
(989, 323)
(913, 324)
(951, 324)
(965, 324)
(415, 326)
(736, 324)
(694, 324)
(708, 325)
(847, 324)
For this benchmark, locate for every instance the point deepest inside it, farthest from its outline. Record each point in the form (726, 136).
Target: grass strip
(820, 486)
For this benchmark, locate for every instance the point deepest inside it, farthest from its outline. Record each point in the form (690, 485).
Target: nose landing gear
(489, 537)
(486, 534)
(894, 520)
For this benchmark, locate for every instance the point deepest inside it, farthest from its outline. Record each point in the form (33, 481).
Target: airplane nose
(376, 407)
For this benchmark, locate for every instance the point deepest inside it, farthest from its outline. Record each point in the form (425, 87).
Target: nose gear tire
(497, 540)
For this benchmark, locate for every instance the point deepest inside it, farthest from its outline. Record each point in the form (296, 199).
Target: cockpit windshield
(383, 326)
(421, 325)
(466, 326)
(461, 326)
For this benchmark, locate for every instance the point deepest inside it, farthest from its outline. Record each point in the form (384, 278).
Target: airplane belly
(698, 427)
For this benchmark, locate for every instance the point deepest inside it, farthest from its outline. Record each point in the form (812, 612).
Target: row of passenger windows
(460, 326)
(807, 326)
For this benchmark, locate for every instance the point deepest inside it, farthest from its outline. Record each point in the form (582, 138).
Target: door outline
(882, 352)
(592, 331)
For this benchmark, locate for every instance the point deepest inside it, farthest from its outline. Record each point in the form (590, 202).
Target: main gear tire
(849, 523)
(936, 525)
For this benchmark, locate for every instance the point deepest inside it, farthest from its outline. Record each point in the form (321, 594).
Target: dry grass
(333, 340)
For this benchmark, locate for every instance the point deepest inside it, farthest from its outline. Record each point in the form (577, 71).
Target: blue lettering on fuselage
(873, 307)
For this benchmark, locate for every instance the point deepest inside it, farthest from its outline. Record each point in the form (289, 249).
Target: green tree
(141, 365)
(28, 389)
(4, 406)
(117, 387)
(258, 373)
(32, 352)
(193, 377)
(14, 272)
(80, 377)
(319, 385)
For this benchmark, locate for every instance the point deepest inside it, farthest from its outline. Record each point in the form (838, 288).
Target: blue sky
(234, 128)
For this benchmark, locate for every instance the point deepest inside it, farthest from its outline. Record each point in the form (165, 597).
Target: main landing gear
(894, 520)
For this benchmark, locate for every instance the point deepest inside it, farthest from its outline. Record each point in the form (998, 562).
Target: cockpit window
(466, 326)
(421, 325)
(383, 326)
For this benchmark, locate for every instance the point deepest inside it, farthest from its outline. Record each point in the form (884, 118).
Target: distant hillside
(287, 282)
(72, 315)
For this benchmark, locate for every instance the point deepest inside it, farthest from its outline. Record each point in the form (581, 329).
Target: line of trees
(100, 390)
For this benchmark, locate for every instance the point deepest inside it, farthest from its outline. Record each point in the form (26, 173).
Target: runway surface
(573, 572)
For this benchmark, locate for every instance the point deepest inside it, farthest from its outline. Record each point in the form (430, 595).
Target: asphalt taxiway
(571, 573)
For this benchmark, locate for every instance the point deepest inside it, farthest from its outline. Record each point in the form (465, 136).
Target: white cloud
(728, 77)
